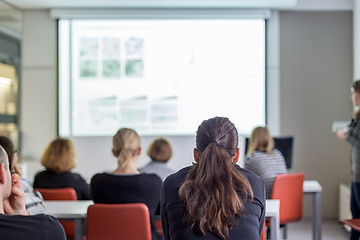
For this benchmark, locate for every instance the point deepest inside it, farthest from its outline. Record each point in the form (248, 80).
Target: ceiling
(31, 4)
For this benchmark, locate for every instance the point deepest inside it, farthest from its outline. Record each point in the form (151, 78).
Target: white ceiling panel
(26, 4)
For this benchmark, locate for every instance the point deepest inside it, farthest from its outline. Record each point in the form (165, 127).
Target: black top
(35, 227)
(51, 179)
(137, 188)
(247, 227)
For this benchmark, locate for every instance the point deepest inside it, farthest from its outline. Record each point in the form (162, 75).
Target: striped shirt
(266, 166)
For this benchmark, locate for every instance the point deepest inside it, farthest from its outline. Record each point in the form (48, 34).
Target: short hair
(3, 156)
(59, 156)
(261, 139)
(160, 150)
(8, 146)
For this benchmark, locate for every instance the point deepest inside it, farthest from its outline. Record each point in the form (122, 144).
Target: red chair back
(61, 194)
(288, 188)
(118, 221)
(58, 193)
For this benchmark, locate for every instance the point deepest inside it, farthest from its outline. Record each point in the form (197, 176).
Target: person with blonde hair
(160, 151)
(59, 159)
(126, 184)
(263, 159)
(214, 198)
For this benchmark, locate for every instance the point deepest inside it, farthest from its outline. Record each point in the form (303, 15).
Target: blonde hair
(126, 142)
(261, 139)
(59, 156)
(356, 87)
(160, 150)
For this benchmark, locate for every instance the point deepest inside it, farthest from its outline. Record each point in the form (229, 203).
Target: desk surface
(311, 186)
(78, 209)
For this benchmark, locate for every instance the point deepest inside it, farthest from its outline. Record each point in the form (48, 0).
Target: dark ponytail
(214, 190)
(356, 87)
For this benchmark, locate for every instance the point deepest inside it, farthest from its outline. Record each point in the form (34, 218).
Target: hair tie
(216, 142)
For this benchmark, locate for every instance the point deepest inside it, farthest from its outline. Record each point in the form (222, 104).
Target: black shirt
(138, 188)
(175, 227)
(51, 179)
(35, 227)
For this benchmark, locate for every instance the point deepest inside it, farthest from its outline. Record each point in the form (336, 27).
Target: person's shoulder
(253, 179)
(150, 177)
(277, 153)
(177, 177)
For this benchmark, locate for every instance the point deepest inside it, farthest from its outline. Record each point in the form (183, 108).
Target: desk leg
(79, 229)
(274, 228)
(316, 213)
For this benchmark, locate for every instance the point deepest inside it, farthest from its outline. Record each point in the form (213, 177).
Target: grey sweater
(354, 140)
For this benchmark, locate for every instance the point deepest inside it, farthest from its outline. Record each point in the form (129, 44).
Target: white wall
(315, 73)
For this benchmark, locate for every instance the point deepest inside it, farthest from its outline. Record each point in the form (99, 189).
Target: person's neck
(128, 169)
(1, 205)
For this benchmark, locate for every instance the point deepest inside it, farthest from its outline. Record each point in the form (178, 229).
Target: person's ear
(113, 152)
(237, 154)
(139, 151)
(2, 173)
(196, 155)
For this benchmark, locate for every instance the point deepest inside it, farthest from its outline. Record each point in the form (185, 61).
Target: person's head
(126, 146)
(260, 140)
(355, 96)
(59, 156)
(5, 175)
(160, 150)
(8, 146)
(214, 176)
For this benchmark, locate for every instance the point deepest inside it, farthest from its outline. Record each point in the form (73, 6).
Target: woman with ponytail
(352, 135)
(214, 198)
(125, 184)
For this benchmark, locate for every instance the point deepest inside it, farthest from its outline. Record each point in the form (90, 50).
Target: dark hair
(356, 87)
(160, 150)
(214, 190)
(8, 146)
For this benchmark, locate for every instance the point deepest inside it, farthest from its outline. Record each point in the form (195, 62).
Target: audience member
(59, 159)
(125, 184)
(160, 152)
(263, 159)
(214, 198)
(33, 200)
(14, 220)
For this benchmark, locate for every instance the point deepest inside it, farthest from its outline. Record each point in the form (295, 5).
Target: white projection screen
(160, 77)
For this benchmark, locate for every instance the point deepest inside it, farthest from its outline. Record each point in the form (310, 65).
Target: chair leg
(285, 231)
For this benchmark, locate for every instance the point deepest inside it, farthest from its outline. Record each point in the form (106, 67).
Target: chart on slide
(161, 77)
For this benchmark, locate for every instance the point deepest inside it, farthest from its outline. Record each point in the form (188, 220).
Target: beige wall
(315, 79)
(315, 74)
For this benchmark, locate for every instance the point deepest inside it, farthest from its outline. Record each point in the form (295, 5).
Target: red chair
(288, 188)
(61, 194)
(159, 228)
(353, 223)
(118, 221)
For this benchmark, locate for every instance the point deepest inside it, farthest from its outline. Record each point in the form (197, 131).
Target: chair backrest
(58, 193)
(118, 221)
(288, 188)
(61, 194)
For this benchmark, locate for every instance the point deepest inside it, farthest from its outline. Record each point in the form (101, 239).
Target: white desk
(77, 210)
(70, 211)
(315, 189)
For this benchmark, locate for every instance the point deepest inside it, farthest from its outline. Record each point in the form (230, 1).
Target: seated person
(214, 198)
(160, 152)
(263, 159)
(15, 222)
(125, 184)
(59, 159)
(33, 200)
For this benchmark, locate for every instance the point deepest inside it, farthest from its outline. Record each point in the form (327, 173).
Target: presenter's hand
(15, 204)
(342, 134)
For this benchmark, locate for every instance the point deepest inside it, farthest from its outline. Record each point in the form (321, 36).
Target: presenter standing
(352, 135)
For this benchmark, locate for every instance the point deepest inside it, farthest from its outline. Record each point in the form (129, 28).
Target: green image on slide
(111, 68)
(88, 47)
(88, 68)
(134, 68)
